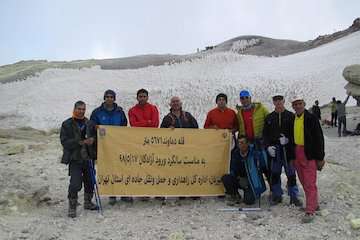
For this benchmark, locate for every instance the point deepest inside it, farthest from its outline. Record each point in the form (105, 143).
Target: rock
(237, 236)
(355, 223)
(352, 74)
(352, 89)
(324, 212)
(13, 150)
(350, 216)
(3, 141)
(177, 236)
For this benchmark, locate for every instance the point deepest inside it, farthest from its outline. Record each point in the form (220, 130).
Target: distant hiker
(177, 118)
(309, 154)
(315, 109)
(341, 114)
(221, 117)
(244, 174)
(143, 114)
(77, 139)
(278, 138)
(333, 112)
(109, 113)
(251, 118)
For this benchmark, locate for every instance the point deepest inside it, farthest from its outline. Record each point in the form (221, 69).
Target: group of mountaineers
(264, 144)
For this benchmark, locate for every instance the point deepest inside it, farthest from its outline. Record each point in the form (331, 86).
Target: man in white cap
(278, 139)
(309, 154)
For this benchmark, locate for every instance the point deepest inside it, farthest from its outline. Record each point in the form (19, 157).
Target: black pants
(232, 185)
(79, 173)
(333, 118)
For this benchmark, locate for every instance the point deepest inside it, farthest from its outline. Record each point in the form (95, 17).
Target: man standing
(221, 117)
(143, 114)
(309, 154)
(74, 137)
(316, 110)
(109, 113)
(341, 114)
(177, 118)
(278, 138)
(333, 112)
(251, 118)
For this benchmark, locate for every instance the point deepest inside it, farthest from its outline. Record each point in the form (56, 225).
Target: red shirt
(222, 119)
(144, 116)
(248, 122)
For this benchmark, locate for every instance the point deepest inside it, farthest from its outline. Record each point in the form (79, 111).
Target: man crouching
(244, 173)
(75, 137)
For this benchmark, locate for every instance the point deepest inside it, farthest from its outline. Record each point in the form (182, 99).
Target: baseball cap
(245, 93)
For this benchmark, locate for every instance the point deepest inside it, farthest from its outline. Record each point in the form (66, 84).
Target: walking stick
(239, 209)
(96, 189)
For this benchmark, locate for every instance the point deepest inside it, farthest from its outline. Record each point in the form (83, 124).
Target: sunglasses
(242, 98)
(109, 96)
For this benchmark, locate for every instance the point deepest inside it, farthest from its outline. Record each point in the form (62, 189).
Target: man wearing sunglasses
(278, 139)
(109, 113)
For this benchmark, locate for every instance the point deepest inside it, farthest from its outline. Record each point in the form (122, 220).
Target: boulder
(355, 223)
(352, 89)
(352, 74)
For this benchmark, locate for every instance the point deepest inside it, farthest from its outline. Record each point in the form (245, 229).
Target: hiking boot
(88, 204)
(127, 199)
(308, 218)
(316, 210)
(232, 200)
(72, 207)
(275, 200)
(112, 201)
(296, 201)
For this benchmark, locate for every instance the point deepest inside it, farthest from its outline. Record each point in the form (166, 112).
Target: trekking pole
(96, 189)
(239, 209)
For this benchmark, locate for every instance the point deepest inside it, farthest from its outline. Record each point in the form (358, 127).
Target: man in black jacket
(309, 154)
(315, 109)
(76, 137)
(278, 139)
(177, 118)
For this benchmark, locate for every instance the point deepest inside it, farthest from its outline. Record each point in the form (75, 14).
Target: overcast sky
(83, 29)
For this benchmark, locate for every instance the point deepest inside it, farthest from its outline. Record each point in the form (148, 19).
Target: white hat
(297, 98)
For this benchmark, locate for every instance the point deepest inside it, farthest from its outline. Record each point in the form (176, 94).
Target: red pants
(306, 171)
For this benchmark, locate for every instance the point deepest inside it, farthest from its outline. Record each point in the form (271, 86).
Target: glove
(271, 150)
(283, 140)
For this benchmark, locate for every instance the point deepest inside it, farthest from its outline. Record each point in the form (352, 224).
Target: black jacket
(186, 120)
(316, 111)
(70, 136)
(313, 137)
(277, 123)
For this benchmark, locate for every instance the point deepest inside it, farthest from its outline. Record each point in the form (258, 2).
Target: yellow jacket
(259, 114)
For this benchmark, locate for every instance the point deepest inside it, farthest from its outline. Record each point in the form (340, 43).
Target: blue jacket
(247, 167)
(116, 117)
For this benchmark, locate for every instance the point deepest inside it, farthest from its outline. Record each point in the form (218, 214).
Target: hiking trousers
(306, 171)
(79, 173)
